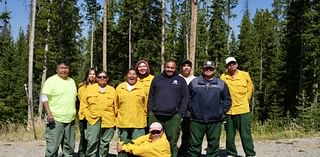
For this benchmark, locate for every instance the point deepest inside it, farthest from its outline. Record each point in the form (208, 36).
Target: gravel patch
(298, 147)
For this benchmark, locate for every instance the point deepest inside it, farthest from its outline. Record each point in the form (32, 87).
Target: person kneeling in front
(154, 144)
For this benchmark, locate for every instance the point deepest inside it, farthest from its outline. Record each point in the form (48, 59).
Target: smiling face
(102, 79)
(142, 68)
(91, 76)
(132, 77)
(208, 72)
(170, 68)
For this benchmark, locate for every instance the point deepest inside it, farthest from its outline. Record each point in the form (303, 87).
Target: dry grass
(275, 130)
(269, 130)
(20, 132)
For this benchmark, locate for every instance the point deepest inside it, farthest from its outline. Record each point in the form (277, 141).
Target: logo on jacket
(175, 82)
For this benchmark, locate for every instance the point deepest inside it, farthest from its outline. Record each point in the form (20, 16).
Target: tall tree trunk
(104, 49)
(163, 19)
(193, 33)
(30, 66)
(130, 62)
(228, 25)
(187, 15)
(207, 28)
(261, 63)
(187, 46)
(91, 43)
(316, 84)
(302, 49)
(45, 69)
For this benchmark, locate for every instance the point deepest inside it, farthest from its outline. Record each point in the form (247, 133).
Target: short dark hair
(104, 72)
(65, 62)
(186, 62)
(170, 60)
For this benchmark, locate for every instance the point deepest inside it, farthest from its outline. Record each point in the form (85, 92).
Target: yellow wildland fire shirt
(81, 90)
(99, 105)
(131, 106)
(147, 83)
(241, 88)
(143, 146)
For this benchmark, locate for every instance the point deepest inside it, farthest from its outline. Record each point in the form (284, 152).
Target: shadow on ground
(222, 153)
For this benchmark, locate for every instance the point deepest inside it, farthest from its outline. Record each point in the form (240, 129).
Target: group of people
(149, 111)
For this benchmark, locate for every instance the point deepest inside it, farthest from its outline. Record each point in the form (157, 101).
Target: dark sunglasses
(102, 77)
(231, 63)
(154, 132)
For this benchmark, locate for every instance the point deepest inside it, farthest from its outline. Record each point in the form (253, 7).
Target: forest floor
(297, 147)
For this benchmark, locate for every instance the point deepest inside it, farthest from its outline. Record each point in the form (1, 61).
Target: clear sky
(20, 13)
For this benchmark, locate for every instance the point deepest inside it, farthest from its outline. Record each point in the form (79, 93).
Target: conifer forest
(280, 48)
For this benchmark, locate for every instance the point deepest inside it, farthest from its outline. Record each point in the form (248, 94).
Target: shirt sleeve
(226, 98)
(47, 88)
(184, 98)
(151, 96)
(249, 86)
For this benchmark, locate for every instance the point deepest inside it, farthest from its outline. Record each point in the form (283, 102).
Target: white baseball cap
(155, 126)
(230, 59)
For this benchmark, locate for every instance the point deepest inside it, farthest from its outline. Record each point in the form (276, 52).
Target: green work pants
(98, 138)
(197, 131)
(57, 134)
(83, 142)
(171, 126)
(241, 122)
(185, 128)
(128, 134)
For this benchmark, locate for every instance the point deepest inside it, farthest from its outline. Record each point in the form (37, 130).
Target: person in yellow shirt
(154, 144)
(131, 108)
(143, 71)
(89, 79)
(99, 109)
(238, 117)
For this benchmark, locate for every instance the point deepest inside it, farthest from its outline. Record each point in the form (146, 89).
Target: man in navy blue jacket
(209, 101)
(168, 100)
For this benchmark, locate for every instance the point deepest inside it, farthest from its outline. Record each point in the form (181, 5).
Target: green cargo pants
(98, 138)
(241, 122)
(83, 142)
(197, 132)
(60, 133)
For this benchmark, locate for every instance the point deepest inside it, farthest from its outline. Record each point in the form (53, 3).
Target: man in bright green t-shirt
(58, 98)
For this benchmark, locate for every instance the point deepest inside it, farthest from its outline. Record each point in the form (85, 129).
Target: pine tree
(310, 102)
(146, 30)
(294, 54)
(202, 36)
(270, 64)
(183, 32)
(13, 70)
(7, 78)
(62, 39)
(172, 31)
(248, 54)
(218, 34)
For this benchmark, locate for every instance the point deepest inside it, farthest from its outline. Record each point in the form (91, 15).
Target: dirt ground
(299, 147)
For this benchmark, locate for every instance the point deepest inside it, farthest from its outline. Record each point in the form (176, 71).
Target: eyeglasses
(102, 77)
(154, 132)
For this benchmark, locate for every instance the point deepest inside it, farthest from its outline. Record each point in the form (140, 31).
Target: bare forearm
(46, 107)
